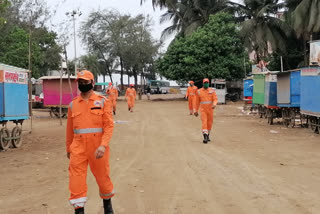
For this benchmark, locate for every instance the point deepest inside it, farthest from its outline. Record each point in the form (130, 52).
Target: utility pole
(30, 72)
(73, 14)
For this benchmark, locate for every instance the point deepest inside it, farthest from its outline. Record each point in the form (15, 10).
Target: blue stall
(248, 87)
(248, 93)
(288, 89)
(310, 96)
(288, 96)
(270, 97)
(14, 105)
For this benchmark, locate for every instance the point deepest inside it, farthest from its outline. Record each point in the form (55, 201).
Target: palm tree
(305, 20)
(261, 30)
(187, 15)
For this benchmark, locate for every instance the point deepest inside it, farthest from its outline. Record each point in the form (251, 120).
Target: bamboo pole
(60, 107)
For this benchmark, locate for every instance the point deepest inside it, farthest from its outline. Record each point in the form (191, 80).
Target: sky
(132, 7)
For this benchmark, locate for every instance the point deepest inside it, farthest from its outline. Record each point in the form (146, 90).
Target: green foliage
(120, 40)
(261, 31)
(14, 47)
(4, 5)
(14, 50)
(292, 57)
(15, 34)
(306, 18)
(187, 15)
(213, 51)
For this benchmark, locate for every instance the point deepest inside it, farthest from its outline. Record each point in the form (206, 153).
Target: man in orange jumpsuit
(89, 131)
(207, 101)
(191, 96)
(131, 97)
(112, 91)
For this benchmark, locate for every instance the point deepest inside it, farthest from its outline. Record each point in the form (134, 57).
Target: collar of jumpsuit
(93, 96)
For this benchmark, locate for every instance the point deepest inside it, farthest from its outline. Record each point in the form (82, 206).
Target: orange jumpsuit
(112, 91)
(191, 94)
(206, 98)
(131, 97)
(89, 125)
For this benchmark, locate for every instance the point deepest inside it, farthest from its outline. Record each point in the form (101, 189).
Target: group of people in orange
(130, 96)
(206, 100)
(90, 128)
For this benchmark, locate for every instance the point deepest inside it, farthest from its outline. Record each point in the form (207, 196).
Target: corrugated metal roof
(57, 77)
(12, 68)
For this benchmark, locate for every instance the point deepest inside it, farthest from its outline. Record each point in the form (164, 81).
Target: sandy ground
(160, 166)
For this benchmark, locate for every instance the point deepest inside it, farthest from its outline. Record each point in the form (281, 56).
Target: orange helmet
(110, 83)
(85, 74)
(132, 85)
(205, 80)
(191, 82)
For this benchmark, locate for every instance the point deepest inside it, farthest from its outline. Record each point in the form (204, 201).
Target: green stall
(258, 89)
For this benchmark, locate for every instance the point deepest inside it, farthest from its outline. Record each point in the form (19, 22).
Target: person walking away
(191, 96)
(89, 131)
(207, 101)
(131, 97)
(112, 92)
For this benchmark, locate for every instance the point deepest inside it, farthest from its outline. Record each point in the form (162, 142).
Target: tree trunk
(135, 78)
(121, 73)
(142, 79)
(110, 75)
(305, 51)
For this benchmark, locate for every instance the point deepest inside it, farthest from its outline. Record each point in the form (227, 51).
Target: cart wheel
(260, 111)
(285, 116)
(292, 120)
(56, 113)
(303, 121)
(4, 144)
(269, 115)
(51, 113)
(313, 126)
(265, 112)
(16, 132)
(64, 113)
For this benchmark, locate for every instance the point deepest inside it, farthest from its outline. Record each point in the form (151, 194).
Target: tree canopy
(213, 51)
(120, 40)
(20, 24)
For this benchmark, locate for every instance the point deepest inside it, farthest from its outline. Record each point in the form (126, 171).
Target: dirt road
(160, 166)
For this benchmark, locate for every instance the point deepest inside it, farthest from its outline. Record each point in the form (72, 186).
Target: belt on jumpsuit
(206, 102)
(192, 94)
(87, 131)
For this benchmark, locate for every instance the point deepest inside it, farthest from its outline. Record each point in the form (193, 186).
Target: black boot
(107, 206)
(79, 211)
(114, 112)
(209, 138)
(205, 138)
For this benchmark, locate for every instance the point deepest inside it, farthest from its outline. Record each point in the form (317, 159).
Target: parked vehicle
(14, 104)
(220, 86)
(291, 95)
(310, 97)
(288, 96)
(159, 86)
(51, 94)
